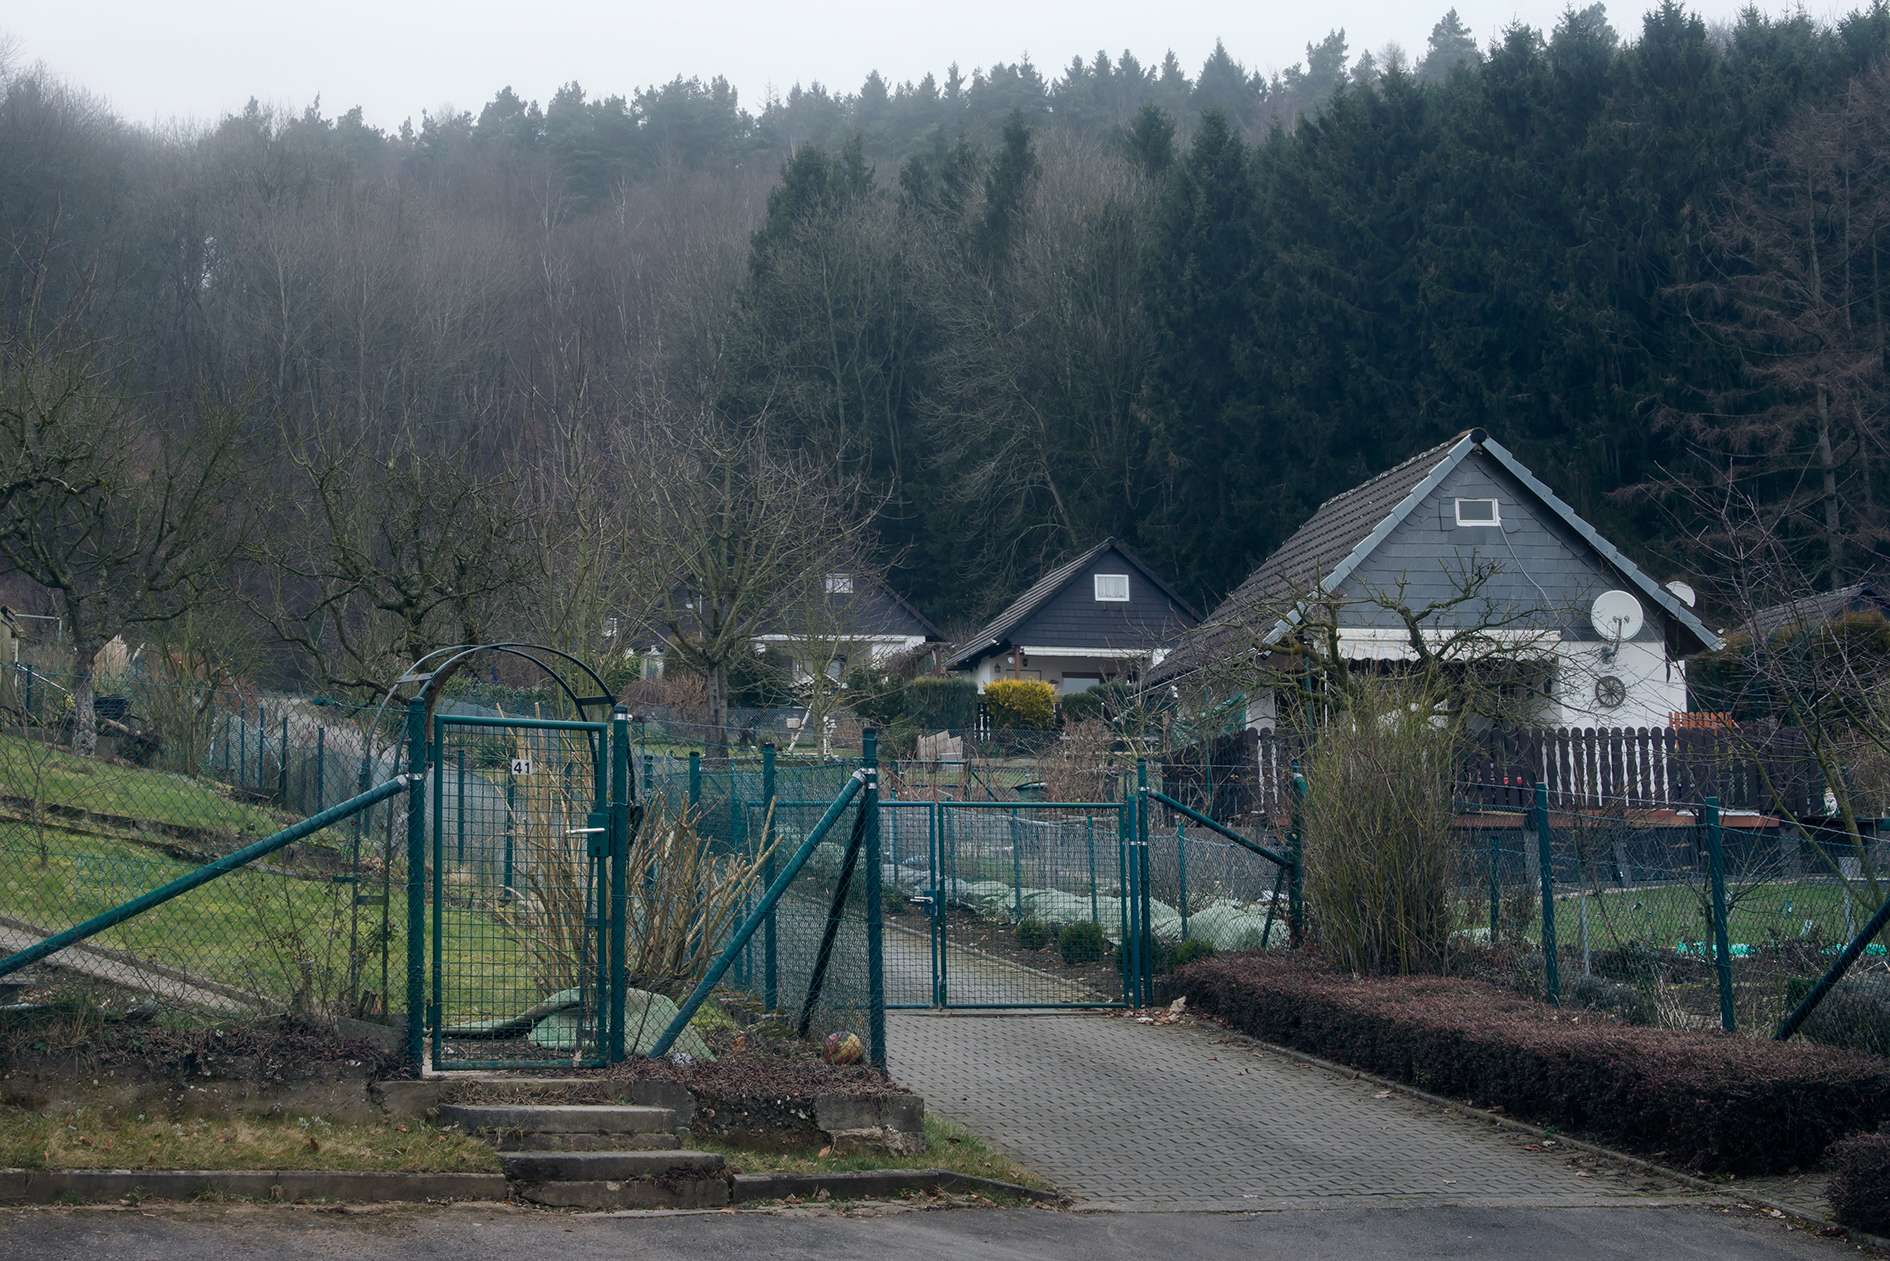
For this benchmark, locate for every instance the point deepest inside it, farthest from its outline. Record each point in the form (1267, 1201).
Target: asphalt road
(283, 1233)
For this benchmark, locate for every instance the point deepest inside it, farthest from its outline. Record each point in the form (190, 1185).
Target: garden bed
(1703, 1101)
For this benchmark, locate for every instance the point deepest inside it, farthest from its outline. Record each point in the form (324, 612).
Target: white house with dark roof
(1100, 617)
(1616, 663)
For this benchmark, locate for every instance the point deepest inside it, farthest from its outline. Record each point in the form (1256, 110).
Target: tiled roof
(1311, 554)
(1040, 592)
(1824, 606)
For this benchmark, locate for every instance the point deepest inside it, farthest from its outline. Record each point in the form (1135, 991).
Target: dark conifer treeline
(1024, 313)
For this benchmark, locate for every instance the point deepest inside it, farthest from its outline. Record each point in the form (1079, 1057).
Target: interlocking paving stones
(1126, 1115)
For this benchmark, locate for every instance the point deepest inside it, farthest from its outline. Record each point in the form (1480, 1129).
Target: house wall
(1054, 670)
(1547, 572)
(1074, 618)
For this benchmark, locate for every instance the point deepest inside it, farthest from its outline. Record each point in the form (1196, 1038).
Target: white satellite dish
(1616, 615)
(1683, 592)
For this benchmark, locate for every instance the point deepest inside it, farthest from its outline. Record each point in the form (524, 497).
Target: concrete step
(619, 1166)
(709, 1192)
(532, 1141)
(559, 1118)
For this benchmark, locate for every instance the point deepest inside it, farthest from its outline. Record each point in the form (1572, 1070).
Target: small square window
(839, 584)
(1112, 586)
(1478, 512)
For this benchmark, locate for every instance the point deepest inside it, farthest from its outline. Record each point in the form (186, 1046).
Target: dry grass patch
(102, 1141)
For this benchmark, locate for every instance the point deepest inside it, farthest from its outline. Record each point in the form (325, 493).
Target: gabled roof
(1821, 607)
(1348, 527)
(996, 633)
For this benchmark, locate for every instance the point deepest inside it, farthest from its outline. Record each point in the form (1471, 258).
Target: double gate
(1011, 904)
(527, 829)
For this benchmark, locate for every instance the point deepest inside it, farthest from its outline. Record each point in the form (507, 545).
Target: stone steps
(595, 1156)
(566, 1127)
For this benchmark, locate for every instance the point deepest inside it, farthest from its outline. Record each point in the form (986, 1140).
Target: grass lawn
(79, 1141)
(49, 776)
(947, 1147)
(1757, 915)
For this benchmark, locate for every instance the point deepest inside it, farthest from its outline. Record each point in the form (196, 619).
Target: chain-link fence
(1681, 917)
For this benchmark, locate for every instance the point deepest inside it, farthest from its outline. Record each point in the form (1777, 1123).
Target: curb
(868, 1183)
(1561, 1139)
(50, 1186)
(47, 1186)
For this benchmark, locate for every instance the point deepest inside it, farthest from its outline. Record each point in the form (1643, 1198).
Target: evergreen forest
(1005, 313)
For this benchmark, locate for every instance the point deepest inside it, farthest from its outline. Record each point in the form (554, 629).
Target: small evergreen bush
(1034, 934)
(1187, 952)
(942, 704)
(1082, 942)
(1027, 703)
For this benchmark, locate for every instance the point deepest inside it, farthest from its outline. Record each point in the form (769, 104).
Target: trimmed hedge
(1705, 1101)
(1859, 1190)
(1027, 703)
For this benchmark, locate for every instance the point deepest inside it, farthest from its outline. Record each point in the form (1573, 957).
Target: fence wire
(1637, 925)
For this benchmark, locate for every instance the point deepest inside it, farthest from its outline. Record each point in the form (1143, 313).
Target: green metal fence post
(1545, 857)
(282, 765)
(1722, 949)
(770, 977)
(622, 791)
(1296, 867)
(1148, 932)
(1181, 868)
(695, 778)
(321, 768)
(875, 918)
(1089, 833)
(416, 878)
(435, 1015)
(1017, 868)
(1496, 891)
(459, 812)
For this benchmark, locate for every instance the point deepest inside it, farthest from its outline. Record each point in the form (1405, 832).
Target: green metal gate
(527, 823)
(1013, 904)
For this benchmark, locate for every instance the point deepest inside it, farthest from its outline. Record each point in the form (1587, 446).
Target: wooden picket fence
(1762, 769)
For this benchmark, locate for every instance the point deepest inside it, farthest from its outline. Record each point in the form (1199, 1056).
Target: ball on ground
(843, 1048)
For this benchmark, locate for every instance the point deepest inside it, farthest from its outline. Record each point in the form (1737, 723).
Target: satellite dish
(1616, 616)
(1684, 593)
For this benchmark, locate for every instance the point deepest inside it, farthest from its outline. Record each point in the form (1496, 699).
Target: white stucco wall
(1656, 687)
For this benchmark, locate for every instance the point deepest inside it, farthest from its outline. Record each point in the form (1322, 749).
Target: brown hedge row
(1859, 1190)
(1705, 1101)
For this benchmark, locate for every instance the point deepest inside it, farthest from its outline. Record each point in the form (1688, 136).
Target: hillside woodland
(307, 397)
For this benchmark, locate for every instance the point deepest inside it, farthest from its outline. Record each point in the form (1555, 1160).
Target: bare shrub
(1379, 852)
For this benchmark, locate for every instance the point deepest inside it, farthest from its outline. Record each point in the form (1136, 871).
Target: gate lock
(596, 831)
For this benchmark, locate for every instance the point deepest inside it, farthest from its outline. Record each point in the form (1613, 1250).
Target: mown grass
(947, 1146)
(105, 1141)
(45, 775)
(1666, 916)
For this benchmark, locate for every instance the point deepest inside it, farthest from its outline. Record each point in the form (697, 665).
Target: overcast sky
(159, 60)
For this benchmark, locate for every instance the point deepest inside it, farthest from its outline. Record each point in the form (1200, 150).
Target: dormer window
(1478, 512)
(839, 584)
(1113, 587)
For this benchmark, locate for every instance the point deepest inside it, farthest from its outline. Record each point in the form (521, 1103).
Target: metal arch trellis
(616, 808)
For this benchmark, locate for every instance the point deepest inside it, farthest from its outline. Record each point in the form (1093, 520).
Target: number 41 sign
(521, 766)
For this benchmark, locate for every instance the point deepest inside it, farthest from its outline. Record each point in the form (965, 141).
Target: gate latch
(597, 829)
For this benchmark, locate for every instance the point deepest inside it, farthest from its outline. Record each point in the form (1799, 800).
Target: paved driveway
(1130, 1116)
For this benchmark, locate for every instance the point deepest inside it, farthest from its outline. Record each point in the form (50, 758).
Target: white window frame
(1496, 512)
(1112, 599)
(839, 584)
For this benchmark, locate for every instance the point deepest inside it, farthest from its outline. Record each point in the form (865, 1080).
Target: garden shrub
(1027, 703)
(1034, 934)
(1380, 849)
(934, 704)
(1855, 1014)
(1083, 706)
(1701, 1100)
(1859, 1189)
(1186, 952)
(1082, 942)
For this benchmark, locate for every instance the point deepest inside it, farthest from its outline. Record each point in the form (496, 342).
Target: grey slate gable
(1340, 550)
(1547, 570)
(1060, 610)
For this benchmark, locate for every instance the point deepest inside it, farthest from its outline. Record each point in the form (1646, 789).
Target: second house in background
(1101, 617)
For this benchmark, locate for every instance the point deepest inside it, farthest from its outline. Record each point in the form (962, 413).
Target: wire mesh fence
(1641, 926)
